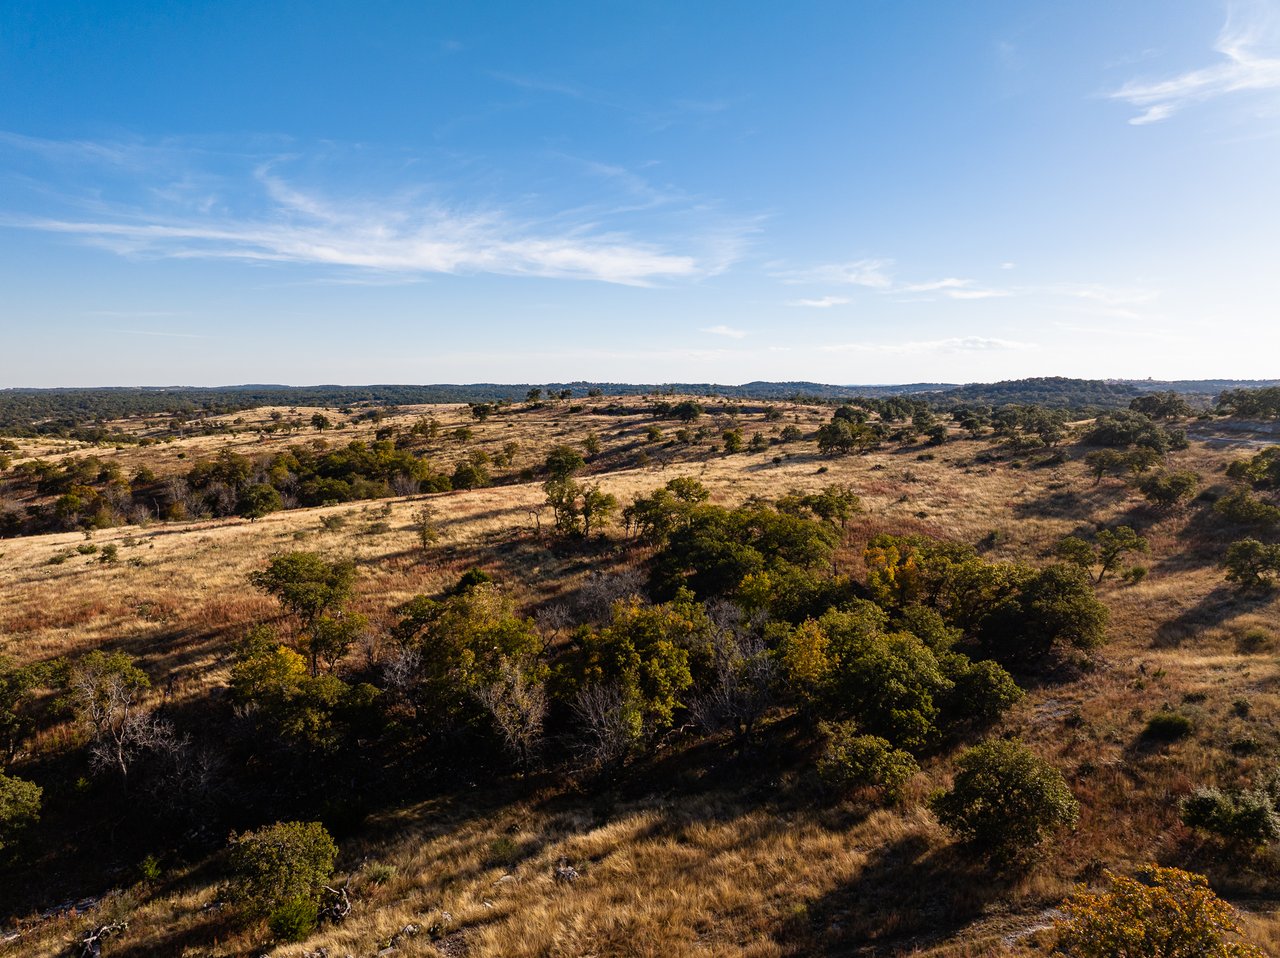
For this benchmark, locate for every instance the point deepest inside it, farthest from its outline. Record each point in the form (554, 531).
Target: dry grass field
(707, 862)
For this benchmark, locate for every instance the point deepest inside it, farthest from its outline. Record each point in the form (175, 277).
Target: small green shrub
(1247, 817)
(1168, 727)
(379, 873)
(149, 868)
(294, 920)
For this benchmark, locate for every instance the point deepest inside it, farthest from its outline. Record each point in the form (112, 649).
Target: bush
(1168, 727)
(1247, 817)
(19, 806)
(850, 760)
(1165, 913)
(294, 920)
(1244, 509)
(279, 870)
(1166, 489)
(1005, 800)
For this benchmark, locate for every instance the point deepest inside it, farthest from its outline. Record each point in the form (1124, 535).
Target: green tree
(1005, 800)
(273, 685)
(308, 587)
(1248, 817)
(1103, 462)
(686, 410)
(1167, 489)
(19, 685)
(1252, 565)
(649, 654)
(19, 807)
(471, 474)
(563, 461)
(455, 647)
(258, 500)
(1114, 544)
(598, 509)
(320, 422)
(426, 526)
(278, 872)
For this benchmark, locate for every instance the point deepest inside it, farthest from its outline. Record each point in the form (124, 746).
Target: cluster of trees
(1252, 563)
(91, 493)
(1261, 403)
(1132, 429)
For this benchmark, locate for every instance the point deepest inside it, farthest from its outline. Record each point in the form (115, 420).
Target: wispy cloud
(955, 344)
(872, 273)
(876, 274)
(1248, 45)
(1112, 301)
(955, 288)
(727, 331)
(161, 333)
(269, 218)
(826, 302)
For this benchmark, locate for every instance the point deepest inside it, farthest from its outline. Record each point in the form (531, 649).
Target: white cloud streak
(727, 331)
(1246, 65)
(955, 344)
(826, 302)
(402, 235)
(875, 274)
(872, 273)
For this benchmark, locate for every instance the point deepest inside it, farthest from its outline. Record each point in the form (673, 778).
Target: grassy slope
(717, 858)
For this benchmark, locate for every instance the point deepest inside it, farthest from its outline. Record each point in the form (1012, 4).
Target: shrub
(1246, 817)
(1005, 800)
(1244, 509)
(1168, 727)
(19, 806)
(278, 873)
(293, 920)
(1164, 913)
(1166, 489)
(850, 760)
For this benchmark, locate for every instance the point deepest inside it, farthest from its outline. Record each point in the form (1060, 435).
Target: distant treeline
(80, 413)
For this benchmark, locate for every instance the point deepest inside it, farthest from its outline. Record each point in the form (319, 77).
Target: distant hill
(58, 410)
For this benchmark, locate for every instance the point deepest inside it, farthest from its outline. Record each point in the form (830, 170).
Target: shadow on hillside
(1223, 603)
(908, 896)
(1063, 504)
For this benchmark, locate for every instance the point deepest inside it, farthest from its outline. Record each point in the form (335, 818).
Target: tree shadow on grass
(1220, 605)
(908, 896)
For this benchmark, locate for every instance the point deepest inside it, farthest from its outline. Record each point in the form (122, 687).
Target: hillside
(704, 839)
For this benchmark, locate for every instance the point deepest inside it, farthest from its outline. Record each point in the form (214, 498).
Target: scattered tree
(1006, 800)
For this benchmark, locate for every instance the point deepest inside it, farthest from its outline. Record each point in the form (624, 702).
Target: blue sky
(850, 192)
